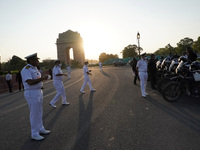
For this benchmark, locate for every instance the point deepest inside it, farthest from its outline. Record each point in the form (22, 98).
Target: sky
(33, 26)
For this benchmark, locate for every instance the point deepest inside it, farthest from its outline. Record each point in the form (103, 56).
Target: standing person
(184, 53)
(9, 81)
(100, 66)
(192, 56)
(152, 71)
(19, 80)
(133, 65)
(142, 69)
(86, 74)
(32, 81)
(175, 56)
(58, 84)
(68, 71)
(50, 73)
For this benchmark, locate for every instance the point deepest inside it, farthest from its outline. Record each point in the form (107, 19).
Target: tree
(183, 44)
(196, 45)
(47, 63)
(16, 63)
(129, 51)
(103, 57)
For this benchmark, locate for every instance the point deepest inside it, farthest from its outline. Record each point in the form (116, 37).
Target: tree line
(132, 50)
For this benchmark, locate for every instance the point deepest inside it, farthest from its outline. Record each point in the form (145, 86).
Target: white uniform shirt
(142, 65)
(31, 72)
(57, 70)
(68, 68)
(85, 70)
(100, 64)
(8, 77)
(186, 56)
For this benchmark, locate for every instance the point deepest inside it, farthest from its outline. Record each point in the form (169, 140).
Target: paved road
(115, 117)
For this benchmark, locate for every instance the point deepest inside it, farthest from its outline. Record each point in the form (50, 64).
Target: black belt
(143, 71)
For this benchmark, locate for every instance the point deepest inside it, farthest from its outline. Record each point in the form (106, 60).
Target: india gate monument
(65, 42)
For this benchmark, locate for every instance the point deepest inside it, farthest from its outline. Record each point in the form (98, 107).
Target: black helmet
(182, 58)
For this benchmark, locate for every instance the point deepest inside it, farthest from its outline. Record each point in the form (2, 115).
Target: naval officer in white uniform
(100, 66)
(32, 81)
(68, 71)
(86, 74)
(58, 84)
(142, 69)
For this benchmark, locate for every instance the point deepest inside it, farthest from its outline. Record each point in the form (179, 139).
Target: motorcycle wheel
(171, 92)
(161, 84)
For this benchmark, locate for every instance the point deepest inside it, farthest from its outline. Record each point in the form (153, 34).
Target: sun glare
(96, 41)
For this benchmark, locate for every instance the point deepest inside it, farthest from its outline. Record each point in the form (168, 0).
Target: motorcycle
(170, 72)
(187, 82)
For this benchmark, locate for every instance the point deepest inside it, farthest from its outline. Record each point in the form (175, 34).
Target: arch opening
(70, 47)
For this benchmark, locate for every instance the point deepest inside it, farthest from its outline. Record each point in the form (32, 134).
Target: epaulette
(27, 67)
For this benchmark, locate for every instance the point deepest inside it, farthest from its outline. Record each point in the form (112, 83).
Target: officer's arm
(36, 81)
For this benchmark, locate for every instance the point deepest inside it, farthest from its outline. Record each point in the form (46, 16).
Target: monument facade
(65, 42)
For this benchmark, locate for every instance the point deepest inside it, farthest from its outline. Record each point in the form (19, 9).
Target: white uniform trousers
(143, 82)
(87, 80)
(58, 84)
(68, 74)
(34, 99)
(100, 68)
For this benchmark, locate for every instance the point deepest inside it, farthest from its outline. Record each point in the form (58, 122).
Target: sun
(96, 41)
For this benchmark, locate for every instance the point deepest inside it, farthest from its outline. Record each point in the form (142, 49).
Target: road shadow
(10, 103)
(179, 112)
(56, 116)
(84, 127)
(7, 95)
(105, 74)
(66, 80)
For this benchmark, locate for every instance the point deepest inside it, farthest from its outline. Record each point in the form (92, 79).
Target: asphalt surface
(115, 117)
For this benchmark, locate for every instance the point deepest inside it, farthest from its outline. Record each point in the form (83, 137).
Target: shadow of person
(178, 112)
(105, 74)
(84, 127)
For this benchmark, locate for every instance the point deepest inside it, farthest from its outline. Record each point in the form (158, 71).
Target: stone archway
(65, 42)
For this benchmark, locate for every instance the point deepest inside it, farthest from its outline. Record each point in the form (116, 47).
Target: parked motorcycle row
(177, 77)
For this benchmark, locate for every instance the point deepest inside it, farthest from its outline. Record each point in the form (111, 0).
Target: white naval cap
(32, 56)
(143, 54)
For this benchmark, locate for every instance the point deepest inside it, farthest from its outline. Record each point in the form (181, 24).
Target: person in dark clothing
(175, 56)
(133, 65)
(192, 56)
(152, 71)
(19, 80)
(50, 73)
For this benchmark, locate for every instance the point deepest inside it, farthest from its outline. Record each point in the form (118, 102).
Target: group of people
(143, 68)
(32, 81)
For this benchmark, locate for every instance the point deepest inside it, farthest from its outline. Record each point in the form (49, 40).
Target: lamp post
(138, 37)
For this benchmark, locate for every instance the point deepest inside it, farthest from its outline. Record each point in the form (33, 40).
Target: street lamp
(138, 37)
